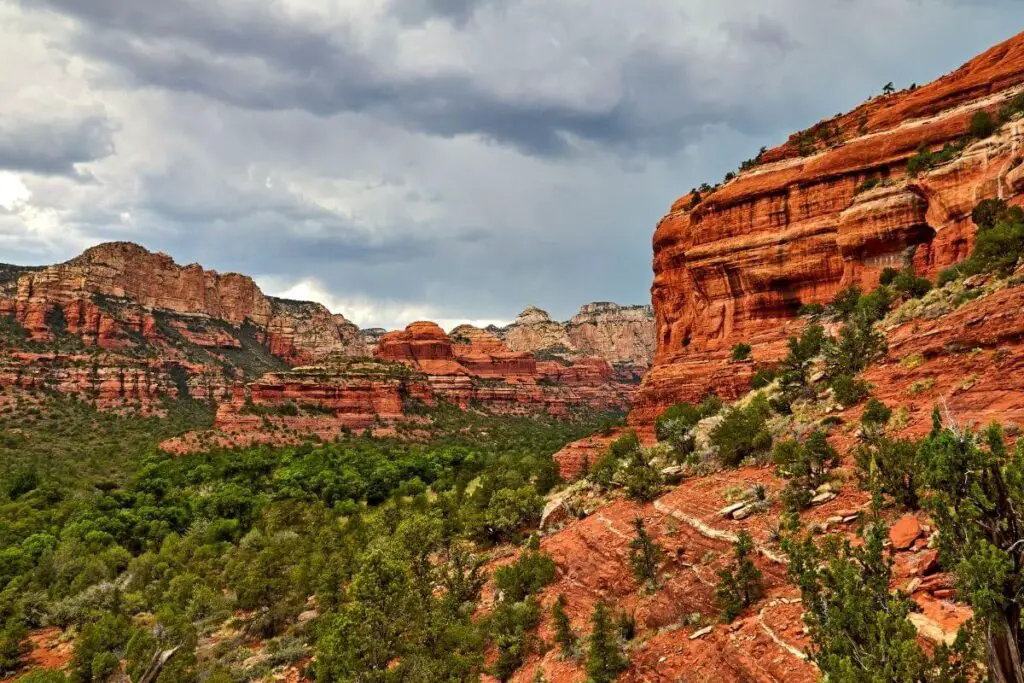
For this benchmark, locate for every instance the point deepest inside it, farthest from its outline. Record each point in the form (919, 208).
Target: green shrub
(848, 390)
(859, 626)
(806, 465)
(645, 556)
(810, 310)
(876, 413)
(1011, 108)
(605, 660)
(982, 125)
(531, 572)
(845, 302)
(858, 344)
(763, 377)
(741, 352)
(740, 585)
(625, 444)
(875, 304)
(887, 275)
(564, 635)
(641, 480)
(511, 626)
(675, 425)
(742, 433)
(685, 416)
(869, 184)
(892, 467)
(907, 282)
(511, 510)
(947, 275)
(925, 159)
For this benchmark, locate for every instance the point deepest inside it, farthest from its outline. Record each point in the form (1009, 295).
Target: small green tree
(605, 660)
(676, 424)
(531, 572)
(741, 351)
(845, 301)
(794, 368)
(893, 467)
(976, 500)
(858, 344)
(641, 479)
(806, 465)
(645, 556)
(859, 629)
(564, 635)
(740, 585)
(888, 88)
(983, 125)
(742, 433)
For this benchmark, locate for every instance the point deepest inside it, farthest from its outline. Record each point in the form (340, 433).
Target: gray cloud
(465, 157)
(265, 60)
(54, 147)
(417, 11)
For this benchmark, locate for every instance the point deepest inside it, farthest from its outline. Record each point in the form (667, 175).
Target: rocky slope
(735, 265)
(622, 335)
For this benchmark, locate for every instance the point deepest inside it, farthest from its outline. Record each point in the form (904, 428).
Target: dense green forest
(366, 552)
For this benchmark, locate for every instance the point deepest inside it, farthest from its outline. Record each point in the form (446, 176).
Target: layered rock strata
(622, 335)
(735, 265)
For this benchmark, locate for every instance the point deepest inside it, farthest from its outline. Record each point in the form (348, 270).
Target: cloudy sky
(407, 159)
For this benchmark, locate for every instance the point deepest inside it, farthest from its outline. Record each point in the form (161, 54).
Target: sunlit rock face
(736, 264)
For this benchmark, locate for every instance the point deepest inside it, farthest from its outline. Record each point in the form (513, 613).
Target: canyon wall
(622, 335)
(820, 212)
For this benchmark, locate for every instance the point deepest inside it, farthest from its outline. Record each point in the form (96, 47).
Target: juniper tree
(976, 500)
(645, 556)
(564, 635)
(860, 631)
(739, 585)
(605, 660)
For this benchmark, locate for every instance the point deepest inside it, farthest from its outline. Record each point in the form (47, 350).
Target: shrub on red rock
(740, 585)
(742, 433)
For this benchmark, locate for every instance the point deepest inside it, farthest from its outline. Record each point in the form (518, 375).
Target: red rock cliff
(736, 264)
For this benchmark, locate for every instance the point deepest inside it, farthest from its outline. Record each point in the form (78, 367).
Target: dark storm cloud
(457, 11)
(54, 147)
(466, 156)
(264, 60)
(760, 30)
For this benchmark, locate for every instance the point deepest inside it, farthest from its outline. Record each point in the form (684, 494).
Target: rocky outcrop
(111, 323)
(735, 265)
(474, 366)
(622, 335)
(108, 295)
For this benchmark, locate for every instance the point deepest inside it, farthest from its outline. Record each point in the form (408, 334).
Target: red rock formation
(107, 293)
(480, 368)
(622, 335)
(737, 264)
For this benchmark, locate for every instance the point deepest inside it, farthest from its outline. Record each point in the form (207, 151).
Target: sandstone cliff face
(622, 335)
(113, 322)
(475, 366)
(109, 293)
(735, 265)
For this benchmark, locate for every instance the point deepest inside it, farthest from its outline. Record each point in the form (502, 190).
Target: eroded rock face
(622, 335)
(473, 365)
(736, 265)
(137, 314)
(109, 293)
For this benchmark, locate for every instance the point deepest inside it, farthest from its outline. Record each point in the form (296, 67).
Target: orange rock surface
(736, 265)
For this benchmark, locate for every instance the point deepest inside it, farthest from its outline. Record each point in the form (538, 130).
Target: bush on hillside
(741, 352)
(742, 433)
